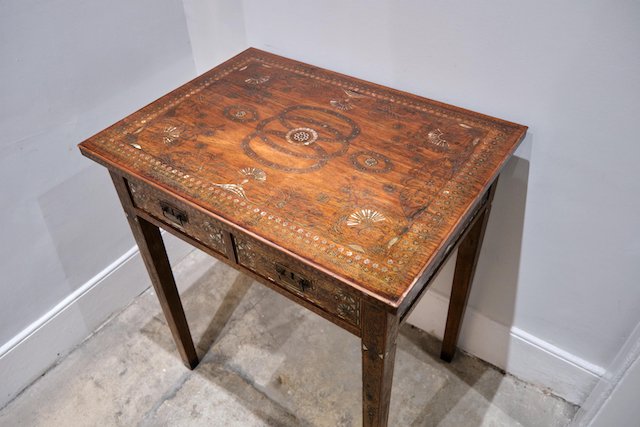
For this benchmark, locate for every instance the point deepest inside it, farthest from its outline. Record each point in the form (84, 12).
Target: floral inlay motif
(241, 113)
(371, 162)
(366, 217)
(255, 173)
(345, 104)
(257, 80)
(215, 234)
(171, 134)
(316, 143)
(436, 138)
(348, 307)
(238, 189)
(341, 105)
(302, 136)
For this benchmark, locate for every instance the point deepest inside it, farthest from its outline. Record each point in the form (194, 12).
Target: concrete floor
(265, 362)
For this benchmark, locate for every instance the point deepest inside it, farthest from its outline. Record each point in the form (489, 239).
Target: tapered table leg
(155, 258)
(468, 253)
(379, 335)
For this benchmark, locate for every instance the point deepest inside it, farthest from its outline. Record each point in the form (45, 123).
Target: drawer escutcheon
(173, 214)
(293, 279)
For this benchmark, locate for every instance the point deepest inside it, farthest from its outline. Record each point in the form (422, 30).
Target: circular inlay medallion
(301, 136)
(370, 161)
(241, 113)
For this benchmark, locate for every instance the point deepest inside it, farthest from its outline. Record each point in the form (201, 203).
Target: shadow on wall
(495, 285)
(486, 329)
(493, 297)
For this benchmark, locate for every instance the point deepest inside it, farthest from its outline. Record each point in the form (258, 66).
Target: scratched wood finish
(363, 182)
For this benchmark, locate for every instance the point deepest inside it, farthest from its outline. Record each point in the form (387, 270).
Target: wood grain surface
(360, 181)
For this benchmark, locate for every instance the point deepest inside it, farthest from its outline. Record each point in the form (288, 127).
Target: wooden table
(342, 195)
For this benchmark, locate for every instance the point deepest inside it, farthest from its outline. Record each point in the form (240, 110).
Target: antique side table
(342, 195)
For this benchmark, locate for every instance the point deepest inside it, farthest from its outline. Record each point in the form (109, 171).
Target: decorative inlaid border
(425, 234)
(433, 107)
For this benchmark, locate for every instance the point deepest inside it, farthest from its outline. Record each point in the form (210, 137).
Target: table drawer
(298, 279)
(179, 215)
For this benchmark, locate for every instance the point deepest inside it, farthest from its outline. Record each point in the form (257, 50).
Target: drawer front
(179, 215)
(290, 274)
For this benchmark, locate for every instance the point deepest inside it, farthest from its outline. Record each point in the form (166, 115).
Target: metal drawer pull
(174, 214)
(293, 279)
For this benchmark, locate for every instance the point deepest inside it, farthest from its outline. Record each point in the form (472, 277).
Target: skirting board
(50, 338)
(515, 351)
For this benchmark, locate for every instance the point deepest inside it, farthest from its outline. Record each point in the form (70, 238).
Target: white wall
(560, 266)
(70, 68)
(216, 31)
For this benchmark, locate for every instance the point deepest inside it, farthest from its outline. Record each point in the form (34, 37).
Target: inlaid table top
(361, 181)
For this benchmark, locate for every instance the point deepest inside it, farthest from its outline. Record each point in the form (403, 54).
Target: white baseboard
(512, 349)
(51, 337)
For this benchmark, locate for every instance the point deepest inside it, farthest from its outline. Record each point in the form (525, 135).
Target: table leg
(468, 253)
(155, 258)
(379, 336)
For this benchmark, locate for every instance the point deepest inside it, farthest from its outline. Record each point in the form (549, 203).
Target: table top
(361, 181)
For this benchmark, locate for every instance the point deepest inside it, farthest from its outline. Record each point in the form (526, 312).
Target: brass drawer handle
(174, 214)
(299, 282)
